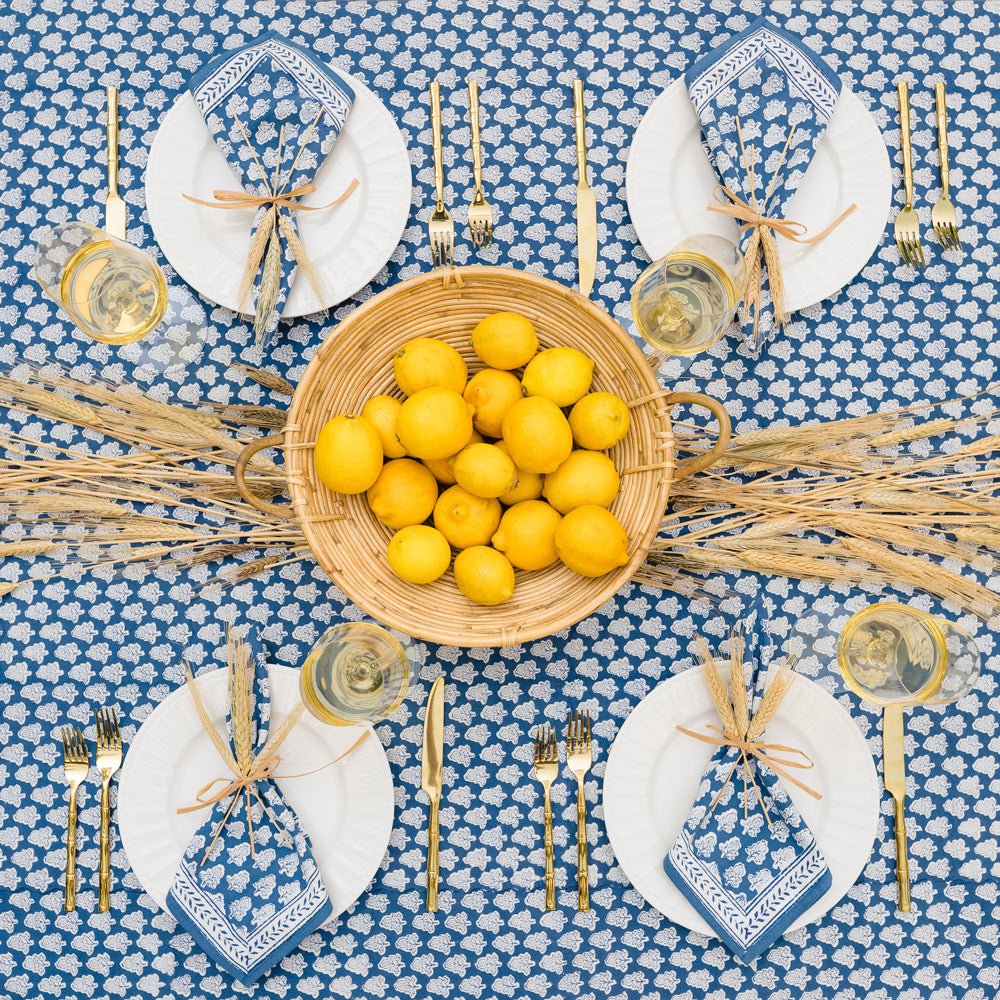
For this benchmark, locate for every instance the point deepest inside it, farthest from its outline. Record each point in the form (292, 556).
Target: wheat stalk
(269, 289)
(25, 548)
(300, 255)
(255, 254)
(220, 745)
(241, 701)
(737, 684)
(716, 686)
(265, 378)
(769, 703)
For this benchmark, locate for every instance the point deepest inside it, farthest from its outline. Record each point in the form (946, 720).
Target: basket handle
(699, 462)
(239, 475)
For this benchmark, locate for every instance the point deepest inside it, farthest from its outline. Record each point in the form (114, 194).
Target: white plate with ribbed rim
(669, 182)
(348, 244)
(346, 809)
(653, 774)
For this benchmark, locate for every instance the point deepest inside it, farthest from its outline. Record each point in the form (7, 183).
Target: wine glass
(356, 672)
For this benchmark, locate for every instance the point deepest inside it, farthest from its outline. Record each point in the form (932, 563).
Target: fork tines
(546, 747)
(578, 731)
(911, 250)
(947, 234)
(74, 749)
(109, 736)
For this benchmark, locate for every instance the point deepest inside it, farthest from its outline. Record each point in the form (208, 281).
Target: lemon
(527, 534)
(492, 393)
(562, 374)
(434, 423)
(591, 541)
(599, 421)
(505, 340)
(425, 362)
(484, 470)
(527, 485)
(419, 553)
(484, 575)
(443, 468)
(537, 435)
(382, 412)
(465, 519)
(586, 477)
(348, 454)
(404, 493)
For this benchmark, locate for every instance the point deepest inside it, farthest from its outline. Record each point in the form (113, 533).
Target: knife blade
(115, 212)
(894, 777)
(431, 778)
(586, 201)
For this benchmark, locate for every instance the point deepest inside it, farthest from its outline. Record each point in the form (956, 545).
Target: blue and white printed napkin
(267, 85)
(247, 911)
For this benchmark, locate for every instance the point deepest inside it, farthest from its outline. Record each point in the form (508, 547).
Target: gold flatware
(894, 776)
(579, 757)
(586, 201)
(115, 212)
(546, 771)
(109, 759)
(480, 211)
(943, 214)
(431, 779)
(907, 226)
(76, 765)
(441, 228)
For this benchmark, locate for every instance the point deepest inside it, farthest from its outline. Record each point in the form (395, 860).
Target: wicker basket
(355, 363)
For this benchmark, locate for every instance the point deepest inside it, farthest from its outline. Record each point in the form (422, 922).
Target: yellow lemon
(465, 519)
(426, 362)
(586, 477)
(348, 454)
(484, 575)
(527, 534)
(419, 553)
(505, 340)
(527, 485)
(404, 493)
(434, 423)
(492, 393)
(599, 421)
(591, 541)
(443, 468)
(562, 374)
(382, 412)
(484, 470)
(537, 435)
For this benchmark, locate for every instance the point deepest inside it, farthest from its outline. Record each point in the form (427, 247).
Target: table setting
(500, 500)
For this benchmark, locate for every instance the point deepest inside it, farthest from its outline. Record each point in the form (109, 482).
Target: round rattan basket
(355, 362)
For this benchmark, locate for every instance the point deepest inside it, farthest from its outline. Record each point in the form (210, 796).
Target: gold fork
(440, 227)
(579, 757)
(907, 224)
(546, 771)
(480, 211)
(109, 759)
(76, 764)
(943, 214)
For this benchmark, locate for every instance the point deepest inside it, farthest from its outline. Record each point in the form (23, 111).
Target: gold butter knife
(586, 202)
(894, 776)
(431, 776)
(115, 212)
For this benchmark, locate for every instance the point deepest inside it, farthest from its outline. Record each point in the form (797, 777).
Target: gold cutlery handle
(433, 841)
(477, 156)
(582, 862)
(550, 856)
(71, 853)
(902, 858)
(942, 127)
(436, 140)
(104, 869)
(112, 140)
(903, 89)
(580, 121)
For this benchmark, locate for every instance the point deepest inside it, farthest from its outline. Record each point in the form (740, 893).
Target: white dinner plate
(654, 772)
(669, 182)
(348, 244)
(346, 810)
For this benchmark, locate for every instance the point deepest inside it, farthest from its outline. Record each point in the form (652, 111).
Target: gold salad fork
(480, 210)
(76, 764)
(579, 757)
(907, 224)
(943, 214)
(109, 759)
(546, 771)
(441, 228)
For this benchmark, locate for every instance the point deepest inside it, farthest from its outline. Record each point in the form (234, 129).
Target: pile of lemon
(508, 471)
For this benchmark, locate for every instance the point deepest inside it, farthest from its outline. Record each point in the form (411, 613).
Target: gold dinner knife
(586, 202)
(894, 775)
(431, 773)
(115, 212)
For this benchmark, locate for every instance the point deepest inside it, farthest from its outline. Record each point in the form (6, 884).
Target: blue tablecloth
(891, 336)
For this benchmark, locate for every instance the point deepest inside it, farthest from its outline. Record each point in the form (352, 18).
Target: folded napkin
(267, 101)
(248, 909)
